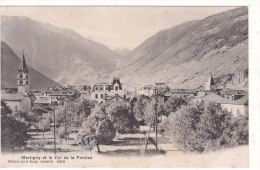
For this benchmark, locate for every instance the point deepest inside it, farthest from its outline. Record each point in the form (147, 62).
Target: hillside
(184, 56)
(60, 54)
(9, 65)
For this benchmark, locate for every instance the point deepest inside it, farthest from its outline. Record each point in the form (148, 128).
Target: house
(102, 91)
(238, 106)
(146, 90)
(19, 100)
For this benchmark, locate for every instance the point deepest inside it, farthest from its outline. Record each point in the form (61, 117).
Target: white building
(103, 91)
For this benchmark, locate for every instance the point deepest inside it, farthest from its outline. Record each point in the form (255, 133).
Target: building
(146, 90)
(19, 101)
(182, 93)
(53, 96)
(235, 106)
(104, 91)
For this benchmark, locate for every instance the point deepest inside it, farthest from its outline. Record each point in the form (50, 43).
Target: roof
(212, 97)
(12, 97)
(60, 92)
(182, 91)
(23, 66)
(233, 91)
(42, 100)
(241, 101)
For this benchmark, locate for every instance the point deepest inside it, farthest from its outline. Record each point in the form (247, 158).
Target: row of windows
(21, 76)
(107, 88)
(101, 96)
(21, 82)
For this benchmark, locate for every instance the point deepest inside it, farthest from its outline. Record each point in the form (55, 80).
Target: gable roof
(12, 97)
(212, 97)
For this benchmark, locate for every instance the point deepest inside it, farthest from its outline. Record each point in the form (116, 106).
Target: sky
(115, 27)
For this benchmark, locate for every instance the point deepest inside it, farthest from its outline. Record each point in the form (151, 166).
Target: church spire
(211, 80)
(23, 66)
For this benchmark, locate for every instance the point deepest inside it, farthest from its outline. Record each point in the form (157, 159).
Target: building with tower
(20, 100)
(23, 78)
(105, 91)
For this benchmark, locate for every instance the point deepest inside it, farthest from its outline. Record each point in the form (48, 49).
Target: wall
(235, 109)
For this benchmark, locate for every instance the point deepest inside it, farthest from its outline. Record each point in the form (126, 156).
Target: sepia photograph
(125, 86)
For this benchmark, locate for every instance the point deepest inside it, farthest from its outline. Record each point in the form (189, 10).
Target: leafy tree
(5, 110)
(173, 104)
(96, 130)
(120, 113)
(203, 126)
(141, 106)
(13, 132)
(44, 123)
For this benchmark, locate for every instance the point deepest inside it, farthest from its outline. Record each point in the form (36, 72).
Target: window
(116, 88)
(101, 88)
(26, 76)
(21, 82)
(96, 88)
(96, 96)
(21, 76)
(27, 82)
(101, 96)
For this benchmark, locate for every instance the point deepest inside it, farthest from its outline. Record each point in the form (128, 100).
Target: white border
(254, 47)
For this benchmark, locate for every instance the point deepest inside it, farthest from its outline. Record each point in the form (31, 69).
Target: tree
(173, 104)
(96, 130)
(120, 113)
(202, 126)
(44, 123)
(13, 133)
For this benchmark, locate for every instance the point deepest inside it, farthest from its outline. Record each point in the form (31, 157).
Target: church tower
(23, 78)
(210, 84)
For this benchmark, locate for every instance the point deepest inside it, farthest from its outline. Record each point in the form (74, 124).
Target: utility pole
(54, 132)
(155, 109)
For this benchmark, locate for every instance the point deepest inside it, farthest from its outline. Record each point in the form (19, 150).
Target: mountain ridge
(9, 66)
(55, 50)
(185, 55)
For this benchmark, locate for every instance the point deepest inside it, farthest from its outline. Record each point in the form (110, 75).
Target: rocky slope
(61, 54)
(9, 65)
(185, 55)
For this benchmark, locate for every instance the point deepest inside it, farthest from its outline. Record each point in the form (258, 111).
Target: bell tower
(23, 78)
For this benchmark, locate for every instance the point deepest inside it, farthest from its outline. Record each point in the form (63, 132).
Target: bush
(203, 126)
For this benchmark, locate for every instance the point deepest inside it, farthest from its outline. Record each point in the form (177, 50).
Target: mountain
(9, 66)
(184, 56)
(60, 54)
